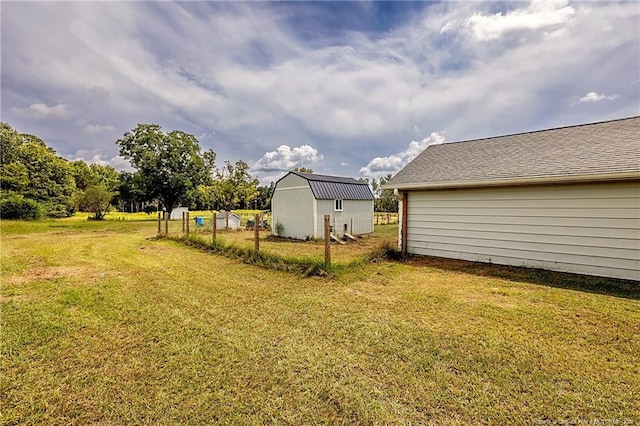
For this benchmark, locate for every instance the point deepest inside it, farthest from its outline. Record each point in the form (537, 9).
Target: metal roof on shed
(336, 187)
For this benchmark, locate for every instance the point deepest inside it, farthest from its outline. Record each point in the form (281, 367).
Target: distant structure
(176, 213)
(221, 220)
(565, 199)
(300, 201)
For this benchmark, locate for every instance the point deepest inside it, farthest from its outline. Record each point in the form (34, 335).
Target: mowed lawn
(103, 324)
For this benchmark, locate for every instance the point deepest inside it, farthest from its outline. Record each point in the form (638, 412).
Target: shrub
(386, 251)
(18, 207)
(58, 209)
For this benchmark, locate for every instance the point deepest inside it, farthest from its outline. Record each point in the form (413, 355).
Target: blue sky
(345, 88)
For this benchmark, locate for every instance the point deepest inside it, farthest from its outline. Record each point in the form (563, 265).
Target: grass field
(102, 323)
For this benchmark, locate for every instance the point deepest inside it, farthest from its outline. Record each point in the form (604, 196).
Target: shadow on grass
(275, 239)
(607, 286)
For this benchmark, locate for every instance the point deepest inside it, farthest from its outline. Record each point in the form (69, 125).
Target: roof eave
(540, 180)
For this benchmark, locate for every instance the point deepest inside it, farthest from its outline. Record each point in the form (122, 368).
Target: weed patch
(307, 268)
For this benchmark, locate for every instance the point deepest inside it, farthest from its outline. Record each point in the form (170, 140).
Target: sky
(344, 88)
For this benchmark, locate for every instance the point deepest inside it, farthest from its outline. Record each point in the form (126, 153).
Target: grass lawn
(101, 323)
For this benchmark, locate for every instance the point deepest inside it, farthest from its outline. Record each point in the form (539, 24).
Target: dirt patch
(49, 273)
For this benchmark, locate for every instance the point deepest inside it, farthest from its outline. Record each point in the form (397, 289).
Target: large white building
(300, 201)
(565, 199)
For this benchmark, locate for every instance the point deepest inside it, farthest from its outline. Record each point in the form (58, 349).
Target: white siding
(356, 215)
(292, 206)
(234, 222)
(176, 213)
(584, 228)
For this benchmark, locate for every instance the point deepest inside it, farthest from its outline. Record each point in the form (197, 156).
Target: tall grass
(307, 267)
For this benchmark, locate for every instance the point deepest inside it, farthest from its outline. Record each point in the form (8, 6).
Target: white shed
(300, 201)
(565, 199)
(176, 213)
(221, 220)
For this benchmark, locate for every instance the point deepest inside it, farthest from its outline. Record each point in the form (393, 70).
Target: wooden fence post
(187, 217)
(213, 227)
(159, 223)
(327, 241)
(256, 231)
(183, 223)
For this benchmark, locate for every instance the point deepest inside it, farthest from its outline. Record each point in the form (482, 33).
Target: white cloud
(381, 166)
(596, 97)
(41, 110)
(97, 128)
(120, 163)
(91, 157)
(286, 158)
(539, 14)
(250, 73)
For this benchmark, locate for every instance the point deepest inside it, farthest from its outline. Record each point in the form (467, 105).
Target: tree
(263, 199)
(385, 201)
(302, 170)
(131, 196)
(232, 186)
(82, 174)
(169, 164)
(96, 199)
(95, 182)
(104, 175)
(33, 170)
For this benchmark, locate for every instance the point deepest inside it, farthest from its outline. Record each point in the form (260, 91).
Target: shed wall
(583, 228)
(292, 206)
(176, 213)
(357, 215)
(234, 222)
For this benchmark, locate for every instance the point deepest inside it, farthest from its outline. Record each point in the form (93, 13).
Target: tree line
(170, 170)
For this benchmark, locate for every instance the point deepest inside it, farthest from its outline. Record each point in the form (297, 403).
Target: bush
(385, 251)
(58, 210)
(18, 207)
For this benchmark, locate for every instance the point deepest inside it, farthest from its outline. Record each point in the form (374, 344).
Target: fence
(258, 239)
(385, 218)
(257, 219)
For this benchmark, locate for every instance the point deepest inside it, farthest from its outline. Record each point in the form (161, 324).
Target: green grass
(102, 323)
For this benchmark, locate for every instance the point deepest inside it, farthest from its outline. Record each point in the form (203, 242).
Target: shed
(565, 199)
(300, 201)
(176, 213)
(221, 220)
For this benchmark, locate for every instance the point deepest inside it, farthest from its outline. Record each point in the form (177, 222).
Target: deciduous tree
(231, 186)
(33, 170)
(96, 199)
(169, 164)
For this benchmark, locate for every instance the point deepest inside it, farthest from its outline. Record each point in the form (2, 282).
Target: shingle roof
(605, 148)
(336, 187)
